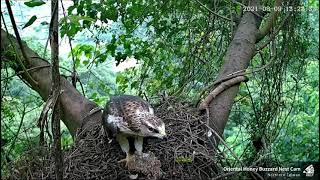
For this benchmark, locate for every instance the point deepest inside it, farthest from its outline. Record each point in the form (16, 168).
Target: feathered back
(124, 108)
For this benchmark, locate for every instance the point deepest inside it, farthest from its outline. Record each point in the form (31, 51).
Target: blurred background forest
(178, 53)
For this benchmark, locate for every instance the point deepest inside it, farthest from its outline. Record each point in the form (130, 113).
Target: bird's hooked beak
(162, 132)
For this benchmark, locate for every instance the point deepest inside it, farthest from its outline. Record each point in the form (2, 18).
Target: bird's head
(153, 126)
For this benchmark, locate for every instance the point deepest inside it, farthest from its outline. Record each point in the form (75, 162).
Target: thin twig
(19, 128)
(50, 27)
(232, 152)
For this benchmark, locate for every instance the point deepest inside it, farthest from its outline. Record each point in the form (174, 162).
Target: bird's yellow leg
(138, 144)
(124, 143)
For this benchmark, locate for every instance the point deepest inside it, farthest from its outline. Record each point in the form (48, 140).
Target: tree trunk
(238, 56)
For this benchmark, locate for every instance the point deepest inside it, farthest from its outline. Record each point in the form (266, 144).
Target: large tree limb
(274, 34)
(264, 30)
(223, 86)
(74, 106)
(19, 41)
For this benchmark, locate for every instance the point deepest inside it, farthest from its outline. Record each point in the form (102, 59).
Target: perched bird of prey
(130, 118)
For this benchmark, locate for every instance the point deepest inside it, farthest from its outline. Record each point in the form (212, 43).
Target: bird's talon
(129, 161)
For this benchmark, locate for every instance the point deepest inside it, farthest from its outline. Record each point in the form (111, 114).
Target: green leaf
(31, 21)
(44, 23)
(111, 48)
(34, 3)
(86, 62)
(102, 58)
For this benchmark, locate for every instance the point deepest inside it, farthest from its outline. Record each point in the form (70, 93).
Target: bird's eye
(153, 130)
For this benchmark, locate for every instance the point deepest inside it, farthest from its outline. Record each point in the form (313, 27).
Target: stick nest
(185, 154)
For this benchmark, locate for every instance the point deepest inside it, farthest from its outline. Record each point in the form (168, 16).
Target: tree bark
(238, 56)
(74, 106)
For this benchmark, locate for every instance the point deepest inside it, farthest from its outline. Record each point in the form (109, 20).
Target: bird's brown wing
(110, 110)
(130, 109)
(126, 107)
